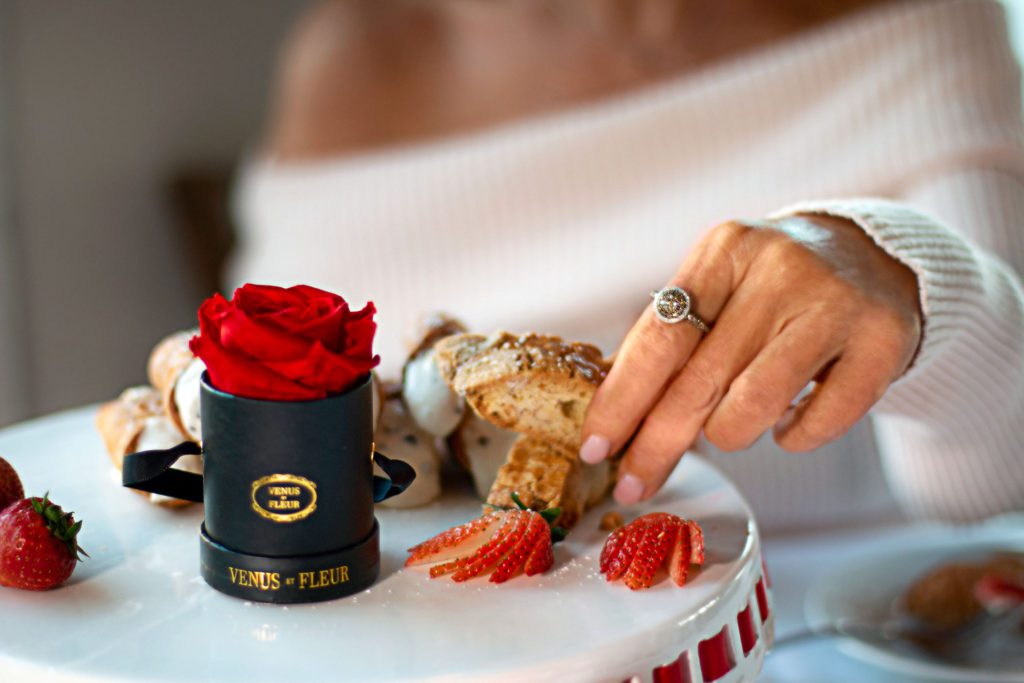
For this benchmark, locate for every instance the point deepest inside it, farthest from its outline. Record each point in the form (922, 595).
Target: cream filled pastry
(186, 399)
(136, 421)
(482, 447)
(168, 363)
(158, 433)
(432, 403)
(398, 436)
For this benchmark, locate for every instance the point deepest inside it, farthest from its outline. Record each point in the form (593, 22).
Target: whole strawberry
(38, 546)
(10, 485)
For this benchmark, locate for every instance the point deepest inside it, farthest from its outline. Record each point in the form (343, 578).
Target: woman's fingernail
(629, 490)
(595, 449)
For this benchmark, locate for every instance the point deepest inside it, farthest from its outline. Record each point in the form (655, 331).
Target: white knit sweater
(564, 223)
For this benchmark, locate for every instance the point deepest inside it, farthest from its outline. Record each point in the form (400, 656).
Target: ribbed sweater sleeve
(950, 429)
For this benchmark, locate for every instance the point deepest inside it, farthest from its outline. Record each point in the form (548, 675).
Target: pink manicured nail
(629, 490)
(595, 449)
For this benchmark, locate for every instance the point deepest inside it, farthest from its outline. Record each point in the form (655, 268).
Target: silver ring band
(673, 305)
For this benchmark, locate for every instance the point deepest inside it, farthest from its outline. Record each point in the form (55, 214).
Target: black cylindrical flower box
(288, 492)
(288, 489)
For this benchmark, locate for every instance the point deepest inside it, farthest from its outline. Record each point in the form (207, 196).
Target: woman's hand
(795, 300)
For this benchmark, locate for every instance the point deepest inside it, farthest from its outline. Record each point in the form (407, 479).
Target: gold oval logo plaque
(283, 498)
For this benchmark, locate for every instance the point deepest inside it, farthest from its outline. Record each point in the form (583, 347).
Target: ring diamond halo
(671, 305)
(674, 305)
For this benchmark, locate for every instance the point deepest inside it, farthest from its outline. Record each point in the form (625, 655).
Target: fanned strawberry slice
(505, 541)
(508, 523)
(638, 549)
(453, 535)
(541, 558)
(619, 564)
(653, 549)
(456, 542)
(491, 557)
(696, 542)
(681, 557)
(611, 547)
(517, 557)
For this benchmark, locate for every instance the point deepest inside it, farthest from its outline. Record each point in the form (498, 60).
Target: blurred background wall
(102, 105)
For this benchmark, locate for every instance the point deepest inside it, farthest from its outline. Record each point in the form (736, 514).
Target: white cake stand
(138, 610)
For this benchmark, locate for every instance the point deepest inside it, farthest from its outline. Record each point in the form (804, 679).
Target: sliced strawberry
(679, 559)
(508, 523)
(490, 558)
(696, 542)
(505, 541)
(654, 547)
(638, 549)
(516, 558)
(612, 546)
(619, 564)
(456, 542)
(541, 558)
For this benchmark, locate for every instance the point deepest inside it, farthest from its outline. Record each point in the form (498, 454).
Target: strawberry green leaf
(551, 514)
(60, 524)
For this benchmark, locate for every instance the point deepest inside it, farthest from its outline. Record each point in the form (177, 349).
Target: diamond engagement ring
(672, 305)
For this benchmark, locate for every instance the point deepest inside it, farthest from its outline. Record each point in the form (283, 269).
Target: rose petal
(321, 368)
(211, 313)
(260, 299)
(322, 322)
(310, 292)
(304, 311)
(241, 376)
(241, 334)
(359, 331)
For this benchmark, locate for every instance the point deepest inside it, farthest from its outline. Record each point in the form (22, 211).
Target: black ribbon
(401, 476)
(152, 471)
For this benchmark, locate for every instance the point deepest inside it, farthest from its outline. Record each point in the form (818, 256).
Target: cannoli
(434, 406)
(481, 447)
(135, 421)
(175, 372)
(398, 436)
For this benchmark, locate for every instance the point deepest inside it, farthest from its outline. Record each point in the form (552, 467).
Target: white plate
(138, 609)
(865, 591)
